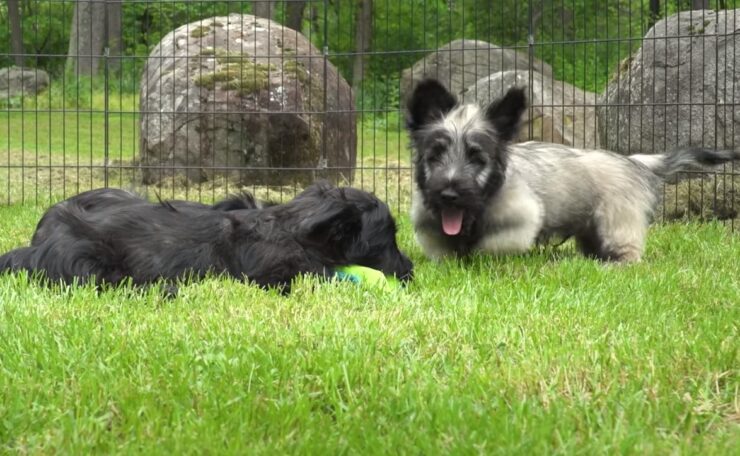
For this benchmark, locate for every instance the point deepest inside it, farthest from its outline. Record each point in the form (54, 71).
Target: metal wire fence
(199, 99)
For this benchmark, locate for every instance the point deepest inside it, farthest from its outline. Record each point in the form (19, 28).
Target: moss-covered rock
(560, 113)
(243, 75)
(200, 31)
(243, 98)
(680, 89)
(461, 63)
(706, 198)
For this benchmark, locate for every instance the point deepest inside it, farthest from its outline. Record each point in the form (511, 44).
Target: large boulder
(559, 112)
(680, 89)
(16, 81)
(460, 63)
(244, 97)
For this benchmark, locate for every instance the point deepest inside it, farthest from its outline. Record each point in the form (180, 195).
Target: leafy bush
(583, 40)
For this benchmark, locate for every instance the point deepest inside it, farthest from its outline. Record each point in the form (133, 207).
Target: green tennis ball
(366, 276)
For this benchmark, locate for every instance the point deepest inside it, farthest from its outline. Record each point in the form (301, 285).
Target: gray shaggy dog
(474, 191)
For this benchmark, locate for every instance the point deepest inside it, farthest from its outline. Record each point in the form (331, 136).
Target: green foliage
(378, 93)
(583, 40)
(71, 92)
(46, 29)
(402, 33)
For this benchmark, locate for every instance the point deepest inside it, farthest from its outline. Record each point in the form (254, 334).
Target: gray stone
(680, 89)
(246, 98)
(16, 81)
(460, 63)
(559, 112)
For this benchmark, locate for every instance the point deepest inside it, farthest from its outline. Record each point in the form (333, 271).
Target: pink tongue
(452, 221)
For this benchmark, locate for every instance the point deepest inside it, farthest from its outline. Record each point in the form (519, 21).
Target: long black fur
(108, 198)
(108, 236)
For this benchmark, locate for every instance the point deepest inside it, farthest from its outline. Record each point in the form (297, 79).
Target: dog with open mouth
(476, 191)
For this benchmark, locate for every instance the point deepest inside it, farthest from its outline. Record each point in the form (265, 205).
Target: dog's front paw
(169, 290)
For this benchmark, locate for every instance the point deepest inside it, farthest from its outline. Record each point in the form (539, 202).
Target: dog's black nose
(449, 195)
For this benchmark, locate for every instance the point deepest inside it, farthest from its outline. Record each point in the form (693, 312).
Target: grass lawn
(46, 155)
(67, 135)
(544, 353)
(80, 135)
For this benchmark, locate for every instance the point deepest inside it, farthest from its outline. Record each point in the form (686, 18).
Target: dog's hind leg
(617, 233)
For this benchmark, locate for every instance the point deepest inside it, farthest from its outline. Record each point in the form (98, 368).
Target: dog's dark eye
(476, 156)
(436, 152)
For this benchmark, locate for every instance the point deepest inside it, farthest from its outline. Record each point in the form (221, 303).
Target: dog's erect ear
(332, 225)
(239, 201)
(505, 113)
(429, 101)
(318, 189)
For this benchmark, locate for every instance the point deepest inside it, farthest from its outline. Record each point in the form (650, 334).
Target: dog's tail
(669, 166)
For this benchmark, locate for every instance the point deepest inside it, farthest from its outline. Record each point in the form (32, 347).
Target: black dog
(108, 236)
(108, 198)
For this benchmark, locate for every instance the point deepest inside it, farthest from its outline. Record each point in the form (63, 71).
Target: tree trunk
(16, 34)
(363, 37)
(654, 12)
(699, 4)
(115, 36)
(263, 8)
(294, 14)
(86, 38)
(314, 18)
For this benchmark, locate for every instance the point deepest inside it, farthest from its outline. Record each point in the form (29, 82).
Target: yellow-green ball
(367, 276)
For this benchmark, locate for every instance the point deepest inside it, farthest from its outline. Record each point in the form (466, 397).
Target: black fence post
(106, 108)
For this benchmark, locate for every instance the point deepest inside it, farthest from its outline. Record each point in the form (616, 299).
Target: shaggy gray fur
(500, 198)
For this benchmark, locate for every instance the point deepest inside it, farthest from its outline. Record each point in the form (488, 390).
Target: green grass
(543, 353)
(70, 134)
(38, 138)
